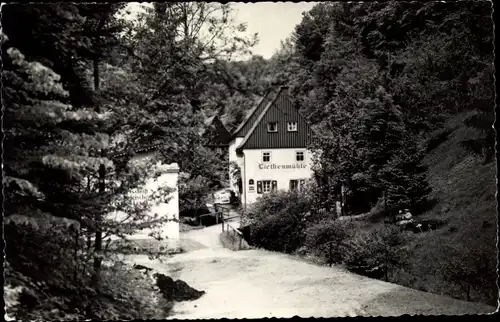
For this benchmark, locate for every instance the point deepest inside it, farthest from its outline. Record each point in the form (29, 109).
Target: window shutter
(259, 186)
(274, 186)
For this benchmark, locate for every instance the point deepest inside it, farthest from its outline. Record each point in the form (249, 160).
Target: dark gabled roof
(246, 125)
(215, 133)
(281, 106)
(259, 118)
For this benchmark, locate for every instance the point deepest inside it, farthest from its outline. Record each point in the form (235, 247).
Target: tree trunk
(89, 240)
(330, 259)
(385, 204)
(96, 278)
(386, 268)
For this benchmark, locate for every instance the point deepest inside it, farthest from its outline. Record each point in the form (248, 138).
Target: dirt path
(258, 283)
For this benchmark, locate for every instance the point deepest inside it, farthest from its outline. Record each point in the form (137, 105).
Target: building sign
(273, 166)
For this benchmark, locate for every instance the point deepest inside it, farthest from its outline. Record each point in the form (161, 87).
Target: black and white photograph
(211, 160)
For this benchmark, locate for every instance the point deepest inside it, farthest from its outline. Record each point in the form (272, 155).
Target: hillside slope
(459, 259)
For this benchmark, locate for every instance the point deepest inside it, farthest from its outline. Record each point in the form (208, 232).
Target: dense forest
(382, 84)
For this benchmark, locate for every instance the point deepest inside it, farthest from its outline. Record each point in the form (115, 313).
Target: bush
(472, 272)
(375, 253)
(52, 271)
(279, 221)
(130, 294)
(319, 236)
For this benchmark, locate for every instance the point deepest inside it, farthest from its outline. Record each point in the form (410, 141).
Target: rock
(184, 292)
(166, 285)
(176, 290)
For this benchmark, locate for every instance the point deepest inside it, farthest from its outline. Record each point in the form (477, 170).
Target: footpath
(257, 283)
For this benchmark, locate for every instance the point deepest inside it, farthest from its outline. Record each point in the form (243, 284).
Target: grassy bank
(459, 259)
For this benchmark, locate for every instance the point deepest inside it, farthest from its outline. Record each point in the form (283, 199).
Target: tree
(404, 179)
(481, 92)
(64, 143)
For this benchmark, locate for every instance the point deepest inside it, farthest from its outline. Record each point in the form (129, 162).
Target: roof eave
(259, 119)
(254, 109)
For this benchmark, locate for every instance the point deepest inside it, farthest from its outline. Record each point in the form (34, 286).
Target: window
(250, 181)
(299, 156)
(291, 126)
(272, 127)
(266, 186)
(219, 150)
(297, 184)
(266, 157)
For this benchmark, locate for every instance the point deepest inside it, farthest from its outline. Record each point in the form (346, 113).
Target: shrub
(129, 294)
(279, 220)
(472, 271)
(319, 236)
(52, 270)
(374, 253)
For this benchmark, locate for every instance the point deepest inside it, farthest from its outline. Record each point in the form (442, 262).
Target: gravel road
(257, 283)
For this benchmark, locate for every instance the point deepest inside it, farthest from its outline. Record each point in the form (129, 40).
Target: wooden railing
(219, 216)
(233, 231)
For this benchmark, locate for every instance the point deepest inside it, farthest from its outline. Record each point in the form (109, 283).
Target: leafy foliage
(328, 231)
(375, 253)
(278, 221)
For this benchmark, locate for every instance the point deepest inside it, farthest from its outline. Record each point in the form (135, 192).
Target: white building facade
(167, 175)
(271, 149)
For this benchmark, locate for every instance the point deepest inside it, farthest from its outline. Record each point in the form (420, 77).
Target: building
(215, 135)
(270, 149)
(165, 175)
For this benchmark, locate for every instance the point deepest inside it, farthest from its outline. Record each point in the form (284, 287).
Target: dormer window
(272, 127)
(292, 126)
